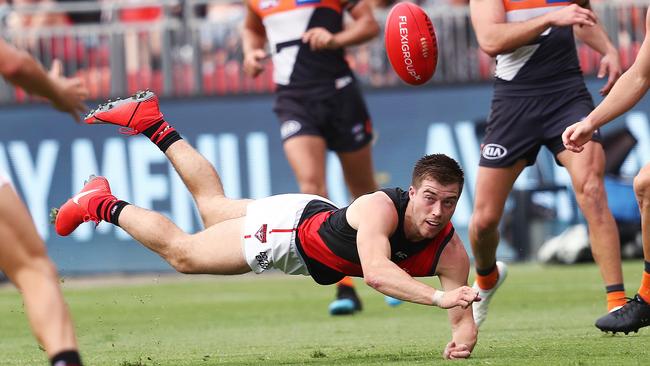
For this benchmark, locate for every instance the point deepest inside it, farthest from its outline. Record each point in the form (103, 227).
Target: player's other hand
(253, 62)
(576, 135)
(463, 296)
(71, 92)
(572, 15)
(320, 38)
(609, 65)
(455, 351)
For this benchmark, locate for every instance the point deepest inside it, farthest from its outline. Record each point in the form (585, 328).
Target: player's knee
(40, 269)
(182, 264)
(180, 256)
(642, 186)
(485, 221)
(591, 191)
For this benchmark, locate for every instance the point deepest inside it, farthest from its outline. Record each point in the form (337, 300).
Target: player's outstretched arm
(375, 218)
(19, 68)
(629, 89)
(363, 28)
(453, 270)
(253, 41)
(496, 36)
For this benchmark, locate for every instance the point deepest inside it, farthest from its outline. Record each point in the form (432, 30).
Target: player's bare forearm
(253, 32)
(495, 35)
(30, 75)
(362, 29)
(252, 40)
(627, 91)
(506, 37)
(596, 38)
(391, 280)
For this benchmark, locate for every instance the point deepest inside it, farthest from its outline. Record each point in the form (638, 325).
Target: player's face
(433, 206)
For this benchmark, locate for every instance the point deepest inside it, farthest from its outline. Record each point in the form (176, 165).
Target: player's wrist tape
(437, 297)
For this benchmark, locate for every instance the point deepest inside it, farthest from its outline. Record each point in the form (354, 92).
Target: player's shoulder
(372, 207)
(377, 199)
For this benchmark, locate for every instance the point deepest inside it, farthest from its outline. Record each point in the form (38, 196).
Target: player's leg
(203, 182)
(642, 191)
(349, 133)
(24, 260)
(306, 155)
(493, 185)
(492, 188)
(358, 170)
(141, 114)
(635, 313)
(215, 250)
(587, 171)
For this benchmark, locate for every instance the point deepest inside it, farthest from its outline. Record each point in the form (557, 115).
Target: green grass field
(542, 316)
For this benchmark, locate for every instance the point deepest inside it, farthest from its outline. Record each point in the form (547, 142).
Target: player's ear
(412, 191)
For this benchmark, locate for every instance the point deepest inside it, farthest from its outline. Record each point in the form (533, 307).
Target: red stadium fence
(193, 47)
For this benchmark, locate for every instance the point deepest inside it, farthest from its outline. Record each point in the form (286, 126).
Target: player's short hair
(438, 167)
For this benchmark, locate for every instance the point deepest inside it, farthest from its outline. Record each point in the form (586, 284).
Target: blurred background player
(539, 91)
(632, 86)
(23, 256)
(318, 103)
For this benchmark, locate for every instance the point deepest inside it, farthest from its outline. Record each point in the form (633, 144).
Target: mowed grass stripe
(543, 315)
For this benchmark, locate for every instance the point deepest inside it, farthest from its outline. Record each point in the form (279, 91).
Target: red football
(411, 43)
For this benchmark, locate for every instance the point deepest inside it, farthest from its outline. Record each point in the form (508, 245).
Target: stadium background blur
(189, 52)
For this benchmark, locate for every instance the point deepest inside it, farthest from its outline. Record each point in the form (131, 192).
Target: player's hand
(455, 351)
(572, 15)
(253, 62)
(320, 38)
(609, 65)
(576, 135)
(71, 92)
(463, 296)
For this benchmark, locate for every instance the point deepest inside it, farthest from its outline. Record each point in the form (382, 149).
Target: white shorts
(269, 235)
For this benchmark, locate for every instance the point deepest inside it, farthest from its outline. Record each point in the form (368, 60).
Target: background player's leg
(492, 188)
(24, 260)
(306, 155)
(642, 191)
(358, 170)
(203, 182)
(215, 250)
(587, 171)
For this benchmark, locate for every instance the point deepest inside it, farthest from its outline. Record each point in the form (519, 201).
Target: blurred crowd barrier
(193, 47)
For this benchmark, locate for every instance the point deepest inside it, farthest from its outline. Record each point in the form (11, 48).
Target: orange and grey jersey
(548, 64)
(295, 65)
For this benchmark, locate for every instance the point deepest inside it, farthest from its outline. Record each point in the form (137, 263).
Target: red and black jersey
(295, 65)
(328, 244)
